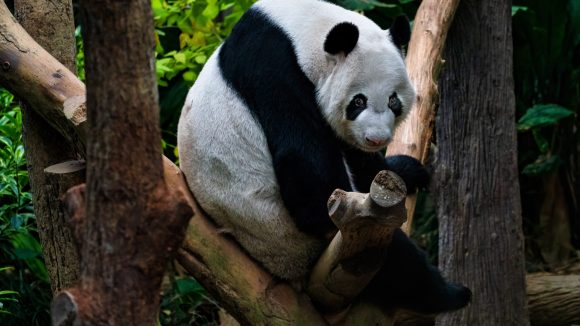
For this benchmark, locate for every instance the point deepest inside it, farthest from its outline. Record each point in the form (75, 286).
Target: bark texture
(554, 300)
(481, 241)
(129, 221)
(52, 26)
(413, 136)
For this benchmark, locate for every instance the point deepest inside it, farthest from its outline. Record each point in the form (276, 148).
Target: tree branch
(26, 68)
(366, 223)
(424, 62)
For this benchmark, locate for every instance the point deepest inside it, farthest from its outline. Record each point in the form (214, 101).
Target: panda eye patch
(356, 106)
(395, 105)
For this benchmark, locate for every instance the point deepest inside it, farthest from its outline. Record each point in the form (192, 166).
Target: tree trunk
(480, 226)
(52, 26)
(130, 223)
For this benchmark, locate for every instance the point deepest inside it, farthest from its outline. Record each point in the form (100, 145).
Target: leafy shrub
(547, 87)
(24, 289)
(187, 33)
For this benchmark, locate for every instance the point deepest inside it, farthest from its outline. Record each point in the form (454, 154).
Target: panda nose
(377, 141)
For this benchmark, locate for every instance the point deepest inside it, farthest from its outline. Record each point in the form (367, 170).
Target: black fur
(365, 166)
(400, 31)
(352, 110)
(259, 63)
(409, 281)
(342, 38)
(257, 59)
(395, 104)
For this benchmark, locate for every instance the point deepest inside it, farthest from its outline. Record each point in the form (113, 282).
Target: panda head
(366, 91)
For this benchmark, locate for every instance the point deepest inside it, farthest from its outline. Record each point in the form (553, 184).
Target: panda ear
(400, 31)
(342, 38)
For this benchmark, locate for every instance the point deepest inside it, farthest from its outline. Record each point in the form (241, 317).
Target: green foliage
(547, 81)
(19, 246)
(80, 57)
(201, 26)
(541, 115)
(187, 33)
(186, 303)
(543, 165)
(6, 296)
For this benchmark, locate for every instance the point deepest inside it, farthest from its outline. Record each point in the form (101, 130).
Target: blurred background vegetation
(547, 86)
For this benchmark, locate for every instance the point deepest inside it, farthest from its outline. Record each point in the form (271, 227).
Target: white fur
(225, 157)
(224, 152)
(375, 67)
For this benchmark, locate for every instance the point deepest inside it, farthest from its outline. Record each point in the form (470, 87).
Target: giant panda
(299, 100)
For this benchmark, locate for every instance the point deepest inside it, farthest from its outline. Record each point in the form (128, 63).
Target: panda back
(226, 160)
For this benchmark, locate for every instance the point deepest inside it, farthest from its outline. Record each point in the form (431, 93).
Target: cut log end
(66, 167)
(388, 189)
(336, 202)
(64, 309)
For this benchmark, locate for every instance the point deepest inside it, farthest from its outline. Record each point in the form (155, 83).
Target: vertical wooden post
(51, 24)
(129, 221)
(480, 226)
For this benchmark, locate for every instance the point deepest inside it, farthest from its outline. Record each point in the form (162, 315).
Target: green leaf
(188, 286)
(16, 221)
(541, 115)
(201, 59)
(189, 76)
(24, 254)
(6, 141)
(212, 10)
(542, 165)
(27, 248)
(541, 141)
(515, 9)
(180, 57)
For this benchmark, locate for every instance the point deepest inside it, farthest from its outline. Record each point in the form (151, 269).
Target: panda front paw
(410, 170)
(455, 296)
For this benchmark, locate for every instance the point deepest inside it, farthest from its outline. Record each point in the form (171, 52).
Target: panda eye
(356, 106)
(395, 105)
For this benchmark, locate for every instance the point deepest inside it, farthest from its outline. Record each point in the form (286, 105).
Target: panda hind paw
(455, 296)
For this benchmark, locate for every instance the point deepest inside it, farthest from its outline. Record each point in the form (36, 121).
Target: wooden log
(243, 288)
(26, 68)
(553, 300)
(424, 62)
(52, 25)
(366, 223)
(60, 251)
